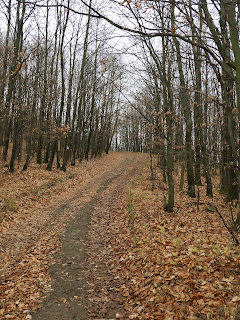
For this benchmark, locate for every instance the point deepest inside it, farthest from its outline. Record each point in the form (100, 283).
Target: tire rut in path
(67, 299)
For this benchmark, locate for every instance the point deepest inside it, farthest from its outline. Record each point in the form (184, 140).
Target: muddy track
(67, 299)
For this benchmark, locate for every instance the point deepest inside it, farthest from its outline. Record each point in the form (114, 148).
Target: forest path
(74, 220)
(68, 296)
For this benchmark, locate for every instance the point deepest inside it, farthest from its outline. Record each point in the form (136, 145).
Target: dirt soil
(57, 262)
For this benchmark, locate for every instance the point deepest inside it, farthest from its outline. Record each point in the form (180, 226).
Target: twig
(229, 230)
(179, 207)
(198, 198)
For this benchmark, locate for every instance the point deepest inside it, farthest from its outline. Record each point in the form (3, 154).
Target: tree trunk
(185, 104)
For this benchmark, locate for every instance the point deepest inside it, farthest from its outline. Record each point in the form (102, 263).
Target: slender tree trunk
(43, 95)
(184, 100)
(168, 103)
(3, 110)
(200, 141)
(69, 105)
(92, 107)
(55, 148)
(14, 67)
(204, 148)
(77, 108)
(16, 131)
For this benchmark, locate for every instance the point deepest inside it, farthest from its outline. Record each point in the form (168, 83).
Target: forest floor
(95, 243)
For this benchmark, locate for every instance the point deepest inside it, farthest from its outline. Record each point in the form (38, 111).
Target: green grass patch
(10, 203)
(71, 175)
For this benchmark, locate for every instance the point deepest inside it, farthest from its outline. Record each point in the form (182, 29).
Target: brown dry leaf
(9, 317)
(63, 300)
(133, 316)
(235, 299)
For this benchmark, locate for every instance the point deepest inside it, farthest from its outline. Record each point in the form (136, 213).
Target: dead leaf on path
(133, 316)
(179, 261)
(236, 299)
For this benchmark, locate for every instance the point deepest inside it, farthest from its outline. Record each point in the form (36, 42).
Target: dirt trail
(68, 298)
(74, 219)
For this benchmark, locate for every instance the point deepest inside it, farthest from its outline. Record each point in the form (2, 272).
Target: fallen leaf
(133, 316)
(236, 299)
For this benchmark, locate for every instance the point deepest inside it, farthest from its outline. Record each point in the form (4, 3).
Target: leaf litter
(151, 264)
(29, 234)
(182, 265)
